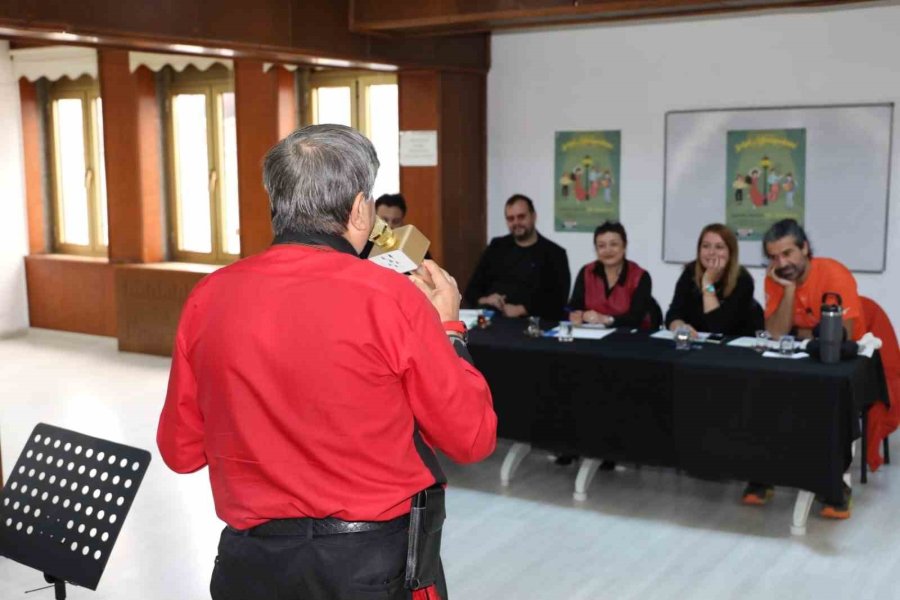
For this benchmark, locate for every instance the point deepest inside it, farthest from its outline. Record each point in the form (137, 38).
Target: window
(77, 167)
(367, 102)
(202, 147)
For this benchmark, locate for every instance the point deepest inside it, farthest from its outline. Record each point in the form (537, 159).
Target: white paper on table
(469, 316)
(743, 342)
(580, 333)
(592, 326)
(666, 334)
(794, 356)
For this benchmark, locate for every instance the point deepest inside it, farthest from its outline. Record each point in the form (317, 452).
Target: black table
(716, 411)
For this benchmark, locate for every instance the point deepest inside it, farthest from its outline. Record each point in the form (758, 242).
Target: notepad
(665, 334)
(794, 356)
(581, 333)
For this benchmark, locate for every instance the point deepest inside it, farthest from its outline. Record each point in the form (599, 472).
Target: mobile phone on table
(716, 338)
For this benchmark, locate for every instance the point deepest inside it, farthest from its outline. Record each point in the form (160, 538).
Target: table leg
(586, 473)
(801, 512)
(514, 458)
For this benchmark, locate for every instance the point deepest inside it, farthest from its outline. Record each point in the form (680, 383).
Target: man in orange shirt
(795, 283)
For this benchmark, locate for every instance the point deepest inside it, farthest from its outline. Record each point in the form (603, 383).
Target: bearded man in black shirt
(523, 273)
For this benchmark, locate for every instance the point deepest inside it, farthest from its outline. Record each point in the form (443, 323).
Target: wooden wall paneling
(149, 299)
(463, 150)
(439, 17)
(38, 236)
(260, 120)
(132, 149)
(419, 94)
(71, 293)
(271, 30)
(288, 105)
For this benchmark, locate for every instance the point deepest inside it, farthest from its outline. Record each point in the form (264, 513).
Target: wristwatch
(709, 288)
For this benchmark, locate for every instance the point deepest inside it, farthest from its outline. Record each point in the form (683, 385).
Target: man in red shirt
(314, 386)
(795, 283)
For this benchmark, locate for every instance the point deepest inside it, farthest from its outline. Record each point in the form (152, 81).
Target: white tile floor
(642, 533)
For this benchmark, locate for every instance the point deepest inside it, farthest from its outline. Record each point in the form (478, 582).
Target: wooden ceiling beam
(445, 17)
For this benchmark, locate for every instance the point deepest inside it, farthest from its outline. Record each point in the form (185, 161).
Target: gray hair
(313, 175)
(784, 228)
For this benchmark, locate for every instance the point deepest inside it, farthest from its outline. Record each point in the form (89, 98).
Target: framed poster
(767, 169)
(586, 179)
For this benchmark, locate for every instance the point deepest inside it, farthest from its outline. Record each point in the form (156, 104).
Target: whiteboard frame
(764, 109)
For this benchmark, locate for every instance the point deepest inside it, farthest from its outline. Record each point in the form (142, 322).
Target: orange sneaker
(839, 511)
(757, 494)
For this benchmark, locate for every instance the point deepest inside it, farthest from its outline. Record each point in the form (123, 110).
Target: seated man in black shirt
(522, 273)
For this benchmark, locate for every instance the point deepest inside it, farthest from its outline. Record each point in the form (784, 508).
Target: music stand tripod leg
(59, 586)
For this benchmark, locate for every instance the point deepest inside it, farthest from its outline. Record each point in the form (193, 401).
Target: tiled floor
(644, 533)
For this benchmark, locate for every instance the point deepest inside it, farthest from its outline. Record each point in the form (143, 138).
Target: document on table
(743, 342)
(581, 333)
(794, 356)
(665, 334)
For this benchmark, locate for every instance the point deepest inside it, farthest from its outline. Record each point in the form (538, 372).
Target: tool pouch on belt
(423, 556)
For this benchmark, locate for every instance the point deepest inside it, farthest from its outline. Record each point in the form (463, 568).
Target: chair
(756, 319)
(655, 314)
(883, 418)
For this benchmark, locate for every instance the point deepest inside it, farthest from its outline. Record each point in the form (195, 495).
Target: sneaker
(757, 494)
(841, 510)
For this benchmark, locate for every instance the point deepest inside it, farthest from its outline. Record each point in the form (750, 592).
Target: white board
(848, 158)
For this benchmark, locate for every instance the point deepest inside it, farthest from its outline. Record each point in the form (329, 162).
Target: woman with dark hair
(714, 292)
(612, 290)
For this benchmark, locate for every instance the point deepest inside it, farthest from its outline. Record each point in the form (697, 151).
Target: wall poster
(586, 180)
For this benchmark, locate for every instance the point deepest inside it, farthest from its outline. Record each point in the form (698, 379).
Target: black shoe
(608, 465)
(564, 460)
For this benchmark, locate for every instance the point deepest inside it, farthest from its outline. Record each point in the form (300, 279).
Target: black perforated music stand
(65, 502)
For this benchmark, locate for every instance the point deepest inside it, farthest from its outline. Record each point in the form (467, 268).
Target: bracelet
(455, 326)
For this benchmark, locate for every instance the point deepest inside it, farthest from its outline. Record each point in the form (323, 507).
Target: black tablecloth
(716, 411)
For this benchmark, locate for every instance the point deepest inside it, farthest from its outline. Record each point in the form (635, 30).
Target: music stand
(65, 502)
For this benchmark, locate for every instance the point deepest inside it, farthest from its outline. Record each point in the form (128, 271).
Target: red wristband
(455, 326)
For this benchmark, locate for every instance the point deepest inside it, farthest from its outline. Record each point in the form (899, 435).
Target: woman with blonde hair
(714, 292)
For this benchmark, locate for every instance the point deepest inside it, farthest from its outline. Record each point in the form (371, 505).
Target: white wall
(626, 77)
(13, 230)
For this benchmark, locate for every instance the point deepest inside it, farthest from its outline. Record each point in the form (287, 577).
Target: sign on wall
(765, 175)
(586, 180)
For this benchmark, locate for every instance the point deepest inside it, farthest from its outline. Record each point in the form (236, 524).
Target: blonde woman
(714, 292)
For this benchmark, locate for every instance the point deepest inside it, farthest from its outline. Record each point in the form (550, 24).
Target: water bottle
(831, 329)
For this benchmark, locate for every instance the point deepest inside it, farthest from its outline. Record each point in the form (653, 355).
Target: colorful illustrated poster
(765, 180)
(586, 180)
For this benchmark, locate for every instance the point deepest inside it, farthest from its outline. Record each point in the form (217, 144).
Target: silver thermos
(831, 329)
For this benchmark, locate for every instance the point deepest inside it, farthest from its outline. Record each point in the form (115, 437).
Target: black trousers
(347, 566)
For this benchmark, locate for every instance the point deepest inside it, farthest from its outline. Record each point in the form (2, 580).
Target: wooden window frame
(358, 82)
(212, 84)
(87, 90)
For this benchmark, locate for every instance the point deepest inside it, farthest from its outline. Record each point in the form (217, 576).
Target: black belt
(319, 527)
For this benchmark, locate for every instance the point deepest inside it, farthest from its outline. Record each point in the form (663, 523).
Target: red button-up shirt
(298, 377)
